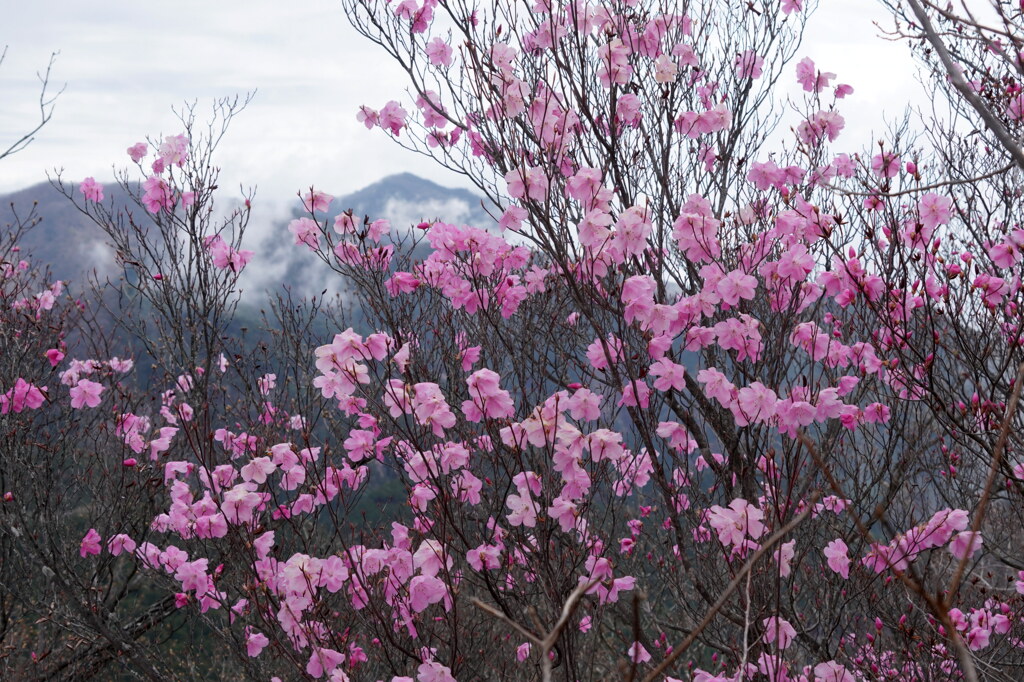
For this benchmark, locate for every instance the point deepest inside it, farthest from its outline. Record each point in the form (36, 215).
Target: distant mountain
(407, 199)
(64, 239)
(74, 247)
(404, 200)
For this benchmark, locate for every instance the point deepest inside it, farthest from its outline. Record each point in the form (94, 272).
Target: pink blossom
(224, 256)
(157, 195)
(810, 78)
(315, 201)
(934, 209)
(91, 190)
(838, 559)
(305, 231)
(831, 671)
(23, 396)
(885, 165)
(119, 365)
(749, 64)
(755, 403)
(439, 52)
(432, 671)
(565, 512)
(842, 90)
(523, 510)
(393, 117)
(322, 661)
(669, 375)
(780, 629)
(665, 69)
(426, 590)
(487, 399)
(368, 117)
(86, 394)
(784, 555)
(637, 653)
(138, 151)
(90, 543)
(174, 150)
(965, 544)
(255, 641)
(736, 522)
(121, 543)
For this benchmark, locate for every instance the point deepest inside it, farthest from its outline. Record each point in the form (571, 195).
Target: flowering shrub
(690, 409)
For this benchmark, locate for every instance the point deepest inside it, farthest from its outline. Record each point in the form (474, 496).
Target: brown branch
(1011, 146)
(548, 641)
(729, 589)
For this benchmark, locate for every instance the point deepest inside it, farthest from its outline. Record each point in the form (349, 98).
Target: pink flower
(90, 543)
(665, 69)
(174, 150)
(736, 285)
(934, 210)
(885, 165)
(92, 190)
(810, 78)
(138, 151)
(316, 202)
(306, 231)
(425, 590)
(255, 641)
(23, 396)
(323, 661)
(735, 523)
(393, 117)
(524, 511)
(224, 256)
(368, 117)
(85, 394)
(157, 195)
(432, 671)
(749, 64)
(564, 511)
(756, 403)
(784, 555)
(669, 375)
(830, 671)
(838, 559)
(965, 544)
(488, 399)
(876, 413)
(778, 628)
(119, 365)
(637, 653)
(120, 543)
(439, 52)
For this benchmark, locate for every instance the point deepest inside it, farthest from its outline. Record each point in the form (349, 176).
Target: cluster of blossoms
(712, 348)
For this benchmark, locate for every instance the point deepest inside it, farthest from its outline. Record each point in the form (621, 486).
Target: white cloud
(126, 63)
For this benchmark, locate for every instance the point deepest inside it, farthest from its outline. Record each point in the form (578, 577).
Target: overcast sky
(126, 63)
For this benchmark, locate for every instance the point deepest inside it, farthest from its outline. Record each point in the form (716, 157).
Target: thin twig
(548, 641)
(1011, 146)
(997, 456)
(729, 589)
